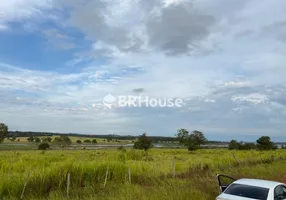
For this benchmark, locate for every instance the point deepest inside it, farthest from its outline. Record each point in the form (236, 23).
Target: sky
(224, 59)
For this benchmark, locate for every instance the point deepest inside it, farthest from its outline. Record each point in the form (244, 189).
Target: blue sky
(225, 59)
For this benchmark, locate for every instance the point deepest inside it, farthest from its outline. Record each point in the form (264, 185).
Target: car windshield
(247, 191)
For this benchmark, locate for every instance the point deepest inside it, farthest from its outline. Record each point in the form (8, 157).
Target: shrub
(234, 145)
(94, 141)
(31, 139)
(143, 142)
(265, 143)
(43, 146)
(78, 141)
(37, 140)
(63, 140)
(87, 141)
(192, 147)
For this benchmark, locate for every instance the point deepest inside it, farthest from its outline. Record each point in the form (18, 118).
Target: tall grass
(151, 172)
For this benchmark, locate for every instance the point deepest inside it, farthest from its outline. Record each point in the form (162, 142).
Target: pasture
(130, 174)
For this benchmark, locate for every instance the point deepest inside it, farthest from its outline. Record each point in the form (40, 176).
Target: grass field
(23, 140)
(157, 174)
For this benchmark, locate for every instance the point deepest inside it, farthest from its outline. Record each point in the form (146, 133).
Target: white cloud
(18, 10)
(237, 84)
(214, 54)
(254, 98)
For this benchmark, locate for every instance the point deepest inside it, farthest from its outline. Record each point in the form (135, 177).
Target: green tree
(182, 136)
(87, 141)
(247, 146)
(63, 140)
(3, 132)
(30, 139)
(198, 138)
(143, 142)
(265, 143)
(44, 146)
(94, 141)
(47, 139)
(78, 141)
(37, 140)
(13, 139)
(233, 145)
(193, 141)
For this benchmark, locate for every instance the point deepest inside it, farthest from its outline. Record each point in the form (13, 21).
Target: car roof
(258, 183)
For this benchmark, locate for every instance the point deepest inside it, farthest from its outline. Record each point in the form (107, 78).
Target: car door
(224, 181)
(280, 192)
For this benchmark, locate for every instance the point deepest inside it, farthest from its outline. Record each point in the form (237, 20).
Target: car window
(280, 192)
(247, 191)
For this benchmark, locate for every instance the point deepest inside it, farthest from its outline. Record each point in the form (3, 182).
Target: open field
(21, 143)
(157, 174)
(73, 139)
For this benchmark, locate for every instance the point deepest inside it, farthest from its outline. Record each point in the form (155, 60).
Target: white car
(250, 189)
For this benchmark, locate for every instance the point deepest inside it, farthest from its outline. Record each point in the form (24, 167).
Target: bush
(63, 140)
(234, 145)
(37, 140)
(87, 141)
(192, 147)
(94, 141)
(143, 142)
(31, 139)
(265, 143)
(78, 141)
(43, 146)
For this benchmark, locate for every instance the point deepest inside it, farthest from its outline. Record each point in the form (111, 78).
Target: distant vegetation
(3, 132)
(109, 138)
(263, 143)
(143, 142)
(64, 141)
(44, 146)
(94, 141)
(192, 140)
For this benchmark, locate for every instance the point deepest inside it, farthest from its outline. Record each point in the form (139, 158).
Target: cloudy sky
(224, 58)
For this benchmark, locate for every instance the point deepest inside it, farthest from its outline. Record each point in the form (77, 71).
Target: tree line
(108, 137)
(191, 140)
(262, 143)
